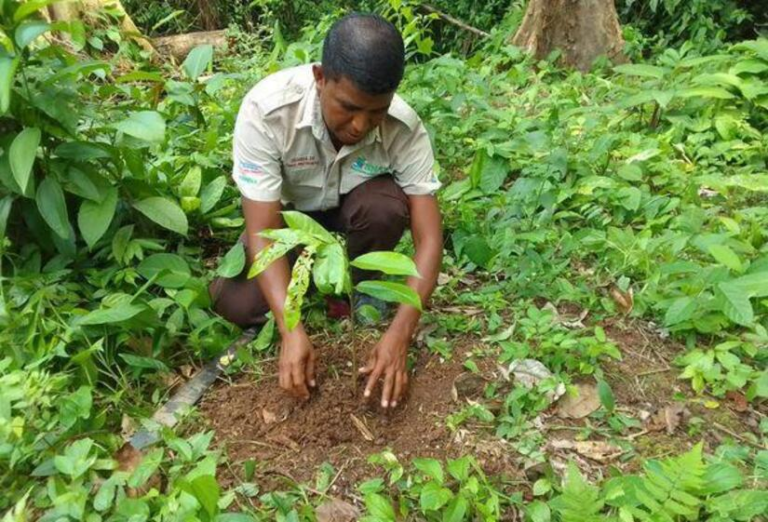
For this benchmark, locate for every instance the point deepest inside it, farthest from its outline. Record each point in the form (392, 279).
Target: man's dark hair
(367, 50)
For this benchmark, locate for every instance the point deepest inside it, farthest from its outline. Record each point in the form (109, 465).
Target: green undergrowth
(635, 190)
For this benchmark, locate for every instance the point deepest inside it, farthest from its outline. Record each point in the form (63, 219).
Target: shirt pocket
(304, 190)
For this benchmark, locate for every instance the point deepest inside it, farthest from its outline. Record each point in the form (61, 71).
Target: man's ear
(317, 72)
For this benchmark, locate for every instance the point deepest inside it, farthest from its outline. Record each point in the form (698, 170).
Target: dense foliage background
(636, 190)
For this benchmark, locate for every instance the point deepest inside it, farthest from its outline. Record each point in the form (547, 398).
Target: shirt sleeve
(256, 170)
(414, 163)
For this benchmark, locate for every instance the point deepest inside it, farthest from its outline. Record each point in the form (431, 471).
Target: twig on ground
(651, 372)
(738, 437)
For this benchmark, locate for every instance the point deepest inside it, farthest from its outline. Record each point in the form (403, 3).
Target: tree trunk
(82, 9)
(581, 29)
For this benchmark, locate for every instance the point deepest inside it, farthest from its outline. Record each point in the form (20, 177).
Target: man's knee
(379, 204)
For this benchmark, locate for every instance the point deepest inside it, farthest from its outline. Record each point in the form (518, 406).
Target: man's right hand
(297, 363)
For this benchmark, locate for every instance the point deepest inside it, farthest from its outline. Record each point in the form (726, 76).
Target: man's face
(349, 113)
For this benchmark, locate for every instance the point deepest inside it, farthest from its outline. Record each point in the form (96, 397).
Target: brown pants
(373, 216)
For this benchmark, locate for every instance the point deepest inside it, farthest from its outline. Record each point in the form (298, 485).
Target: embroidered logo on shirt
(362, 166)
(302, 162)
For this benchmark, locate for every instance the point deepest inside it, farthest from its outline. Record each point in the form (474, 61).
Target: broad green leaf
(147, 363)
(106, 494)
(538, 511)
(379, 507)
(391, 292)
(190, 185)
(211, 194)
(643, 70)
(298, 221)
(742, 505)
(171, 270)
(297, 288)
(53, 207)
(94, 217)
(724, 255)
(75, 406)
(390, 263)
(8, 66)
(146, 468)
(197, 61)
(233, 262)
(735, 304)
(144, 125)
(269, 255)
(118, 314)
(606, 395)
(456, 510)
(434, 496)
(681, 310)
(81, 151)
(165, 213)
(459, 468)
(478, 251)
(22, 155)
(720, 477)
(706, 92)
(206, 491)
(30, 7)
(330, 272)
(5, 209)
(488, 172)
(431, 468)
(28, 31)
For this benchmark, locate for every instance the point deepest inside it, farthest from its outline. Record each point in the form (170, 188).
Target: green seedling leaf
(434, 496)
(331, 270)
(298, 221)
(391, 292)
(8, 66)
(390, 263)
(28, 31)
(269, 255)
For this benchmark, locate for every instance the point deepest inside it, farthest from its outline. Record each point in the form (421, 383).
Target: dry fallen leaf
(599, 451)
(128, 458)
(268, 416)
(443, 279)
(127, 427)
(737, 400)
(582, 404)
(669, 418)
(625, 300)
(187, 370)
(336, 510)
(529, 373)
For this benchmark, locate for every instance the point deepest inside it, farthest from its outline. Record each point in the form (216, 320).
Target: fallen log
(178, 46)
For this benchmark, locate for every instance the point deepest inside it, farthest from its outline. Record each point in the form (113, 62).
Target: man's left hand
(388, 360)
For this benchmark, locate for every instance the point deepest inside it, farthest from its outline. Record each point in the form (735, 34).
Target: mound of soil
(289, 439)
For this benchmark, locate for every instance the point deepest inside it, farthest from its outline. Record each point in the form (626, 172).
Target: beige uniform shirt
(283, 151)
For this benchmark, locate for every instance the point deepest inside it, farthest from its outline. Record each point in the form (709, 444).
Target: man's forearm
(428, 239)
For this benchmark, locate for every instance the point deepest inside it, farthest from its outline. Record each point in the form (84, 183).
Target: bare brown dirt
(289, 439)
